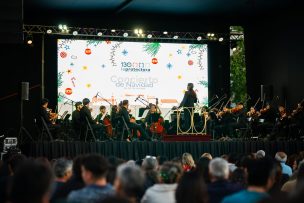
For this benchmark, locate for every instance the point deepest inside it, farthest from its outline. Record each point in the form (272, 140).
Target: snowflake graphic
(179, 51)
(103, 65)
(169, 66)
(66, 47)
(188, 54)
(125, 52)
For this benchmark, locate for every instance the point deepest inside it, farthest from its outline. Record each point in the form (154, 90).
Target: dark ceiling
(126, 13)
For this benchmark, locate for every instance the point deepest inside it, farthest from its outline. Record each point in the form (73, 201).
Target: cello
(157, 127)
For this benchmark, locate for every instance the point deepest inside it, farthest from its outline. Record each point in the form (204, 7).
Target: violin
(52, 116)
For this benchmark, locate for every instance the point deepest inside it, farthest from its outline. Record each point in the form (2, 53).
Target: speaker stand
(22, 129)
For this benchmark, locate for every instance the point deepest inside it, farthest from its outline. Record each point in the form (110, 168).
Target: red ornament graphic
(154, 61)
(68, 91)
(87, 51)
(190, 62)
(63, 54)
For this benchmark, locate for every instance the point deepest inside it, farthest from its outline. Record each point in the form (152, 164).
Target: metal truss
(96, 33)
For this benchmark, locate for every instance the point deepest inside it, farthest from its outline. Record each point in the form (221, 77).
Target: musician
(47, 115)
(188, 101)
(76, 119)
(124, 112)
(86, 113)
(153, 118)
(99, 117)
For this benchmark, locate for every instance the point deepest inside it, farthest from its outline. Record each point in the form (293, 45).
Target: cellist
(154, 121)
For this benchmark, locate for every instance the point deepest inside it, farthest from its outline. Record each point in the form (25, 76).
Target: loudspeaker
(266, 92)
(24, 90)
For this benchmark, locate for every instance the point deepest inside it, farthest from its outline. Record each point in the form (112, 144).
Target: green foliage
(152, 48)
(203, 83)
(59, 79)
(238, 73)
(93, 42)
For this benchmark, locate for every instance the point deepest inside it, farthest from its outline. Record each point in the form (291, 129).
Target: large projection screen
(119, 70)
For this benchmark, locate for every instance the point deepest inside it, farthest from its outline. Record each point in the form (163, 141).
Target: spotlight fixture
(175, 37)
(208, 34)
(136, 31)
(113, 30)
(212, 34)
(199, 38)
(49, 31)
(125, 34)
(63, 28)
(99, 34)
(149, 36)
(139, 32)
(75, 33)
(29, 39)
(165, 32)
(221, 39)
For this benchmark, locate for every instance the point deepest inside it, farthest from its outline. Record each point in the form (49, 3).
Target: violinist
(267, 120)
(47, 115)
(297, 121)
(281, 127)
(101, 115)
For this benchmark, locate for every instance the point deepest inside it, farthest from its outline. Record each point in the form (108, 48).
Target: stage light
(136, 31)
(113, 30)
(49, 31)
(208, 34)
(29, 39)
(175, 37)
(199, 38)
(165, 32)
(99, 34)
(140, 31)
(149, 36)
(221, 39)
(60, 27)
(234, 49)
(125, 34)
(63, 28)
(75, 33)
(212, 34)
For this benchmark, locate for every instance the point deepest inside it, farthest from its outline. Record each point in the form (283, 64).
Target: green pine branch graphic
(152, 48)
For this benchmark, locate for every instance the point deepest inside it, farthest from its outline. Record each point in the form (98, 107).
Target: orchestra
(269, 121)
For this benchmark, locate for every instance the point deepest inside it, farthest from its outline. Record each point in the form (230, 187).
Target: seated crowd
(93, 178)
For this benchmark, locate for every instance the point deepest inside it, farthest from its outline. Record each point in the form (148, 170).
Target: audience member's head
(292, 161)
(149, 163)
(238, 176)
(281, 157)
(207, 155)
(94, 167)
(31, 183)
(129, 182)
(191, 189)
(218, 169)
(170, 172)
(260, 154)
(63, 169)
(77, 167)
(161, 159)
(202, 166)
(14, 162)
(188, 162)
(261, 173)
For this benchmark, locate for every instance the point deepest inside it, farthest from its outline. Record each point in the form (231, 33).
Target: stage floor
(138, 150)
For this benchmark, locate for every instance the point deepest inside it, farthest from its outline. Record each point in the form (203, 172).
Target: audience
(63, 171)
(74, 183)
(94, 171)
(188, 162)
(191, 189)
(89, 178)
(220, 187)
(261, 175)
(282, 158)
(150, 167)
(164, 192)
(31, 183)
(129, 183)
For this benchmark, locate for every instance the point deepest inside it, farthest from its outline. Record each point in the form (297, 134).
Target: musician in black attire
(132, 125)
(76, 119)
(86, 113)
(188, 101)
(45, 114)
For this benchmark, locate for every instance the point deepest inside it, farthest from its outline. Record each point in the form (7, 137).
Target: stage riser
(138, 150)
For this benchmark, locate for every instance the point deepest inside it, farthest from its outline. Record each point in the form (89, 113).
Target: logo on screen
(134, 82)
(135, 66)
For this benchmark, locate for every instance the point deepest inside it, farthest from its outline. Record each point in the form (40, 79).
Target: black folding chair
(45, 130)
(89, 129)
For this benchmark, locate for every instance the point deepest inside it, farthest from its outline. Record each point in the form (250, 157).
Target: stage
(138, 150)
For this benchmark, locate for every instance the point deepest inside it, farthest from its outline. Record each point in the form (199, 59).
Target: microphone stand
(143, 101)
(69, 100)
